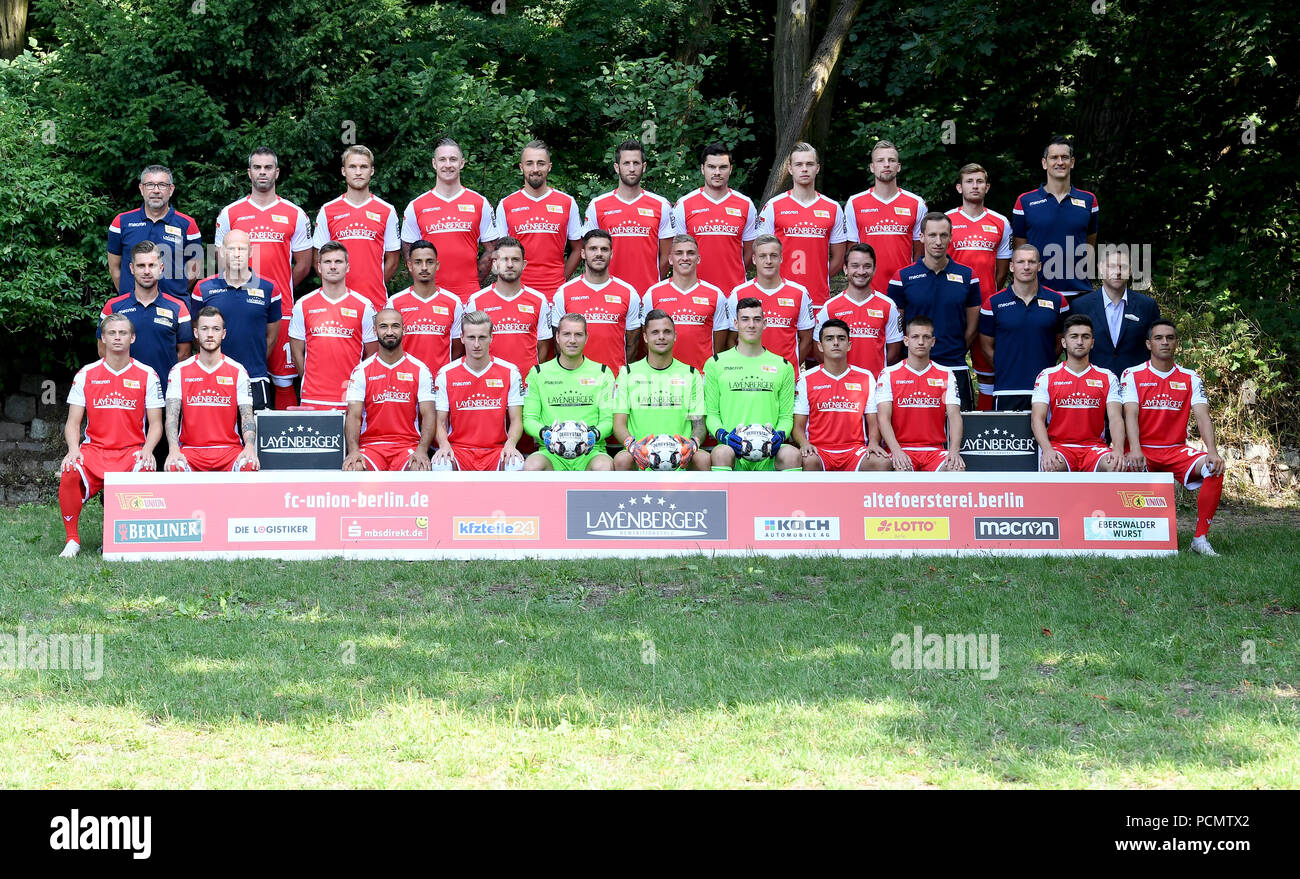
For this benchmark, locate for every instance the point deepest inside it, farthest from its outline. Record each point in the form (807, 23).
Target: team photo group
(639, 334)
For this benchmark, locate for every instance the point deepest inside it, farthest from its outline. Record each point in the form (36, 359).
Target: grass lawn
(690, 672)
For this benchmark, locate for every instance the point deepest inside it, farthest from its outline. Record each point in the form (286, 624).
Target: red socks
(285, 397)
(71, 502)
(1207, 502)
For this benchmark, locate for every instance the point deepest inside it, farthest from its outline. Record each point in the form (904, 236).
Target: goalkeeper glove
(546, 437)
(732, 439)
(639, 453)
(593, 437)
(778, 437)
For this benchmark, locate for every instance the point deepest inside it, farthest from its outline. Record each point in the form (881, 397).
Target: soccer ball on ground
(667, 452)
(756, 441)
(568, 439)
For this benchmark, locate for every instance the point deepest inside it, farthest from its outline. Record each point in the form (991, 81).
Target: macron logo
(122, 833)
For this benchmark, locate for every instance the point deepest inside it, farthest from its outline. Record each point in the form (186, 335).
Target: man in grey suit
(1121, 316)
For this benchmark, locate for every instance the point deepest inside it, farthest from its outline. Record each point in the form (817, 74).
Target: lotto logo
(919, 528)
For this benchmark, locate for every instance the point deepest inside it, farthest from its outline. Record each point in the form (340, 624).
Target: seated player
(832, 424)
(1072, 403)
(913, 399)
(121, 401)
(749, 385)
(659, 396)
(572, 387)
(479, 401)
(210, 422)
(1159, 397)
(391, 419)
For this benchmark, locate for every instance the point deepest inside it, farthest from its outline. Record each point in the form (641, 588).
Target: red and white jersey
(210, 401)
(455, 226)
(115, 402)
(889, 226)
(1164, 400)
(836, 406)
(275, 234)
(390, 398)
(429, 325)
(978, 243)
(697, 313)
(720, 229)
(873, 324)
(543, 226)
(368, 231)
(1076, 404)
(477, 403)
(612, 311)
(334, 333)
(636, 228)
(919, 403)
(788, 309)
(807, 232)
(518, 324)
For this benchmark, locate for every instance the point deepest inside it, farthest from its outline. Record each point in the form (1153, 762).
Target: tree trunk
(793, 117)
(790, 50)
(13, 28)
(701, 19)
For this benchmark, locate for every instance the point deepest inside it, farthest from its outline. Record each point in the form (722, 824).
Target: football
(568, 439)
(666, 452)
(756, 441)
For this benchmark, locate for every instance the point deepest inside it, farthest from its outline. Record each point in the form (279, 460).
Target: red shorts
(1184, 462)
(279, 363)
(96, 461)
(842, 460)
(927, 459)
(477, 457)
(387, 456)
(323, 407)
(1081, 459)
(215, 459)
(983, 369)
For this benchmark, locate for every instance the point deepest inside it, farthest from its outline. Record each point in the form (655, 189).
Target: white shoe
(1201, 546)
(70, 550)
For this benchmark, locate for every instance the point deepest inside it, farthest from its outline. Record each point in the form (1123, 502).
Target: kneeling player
(480, 402)
(913, 398)
(121, 400)
(832, 424)
(572, 388)
(659, 397)
(1159, 396)
(210, 406)
(749, 385)
(1072, 402)
(391, 418)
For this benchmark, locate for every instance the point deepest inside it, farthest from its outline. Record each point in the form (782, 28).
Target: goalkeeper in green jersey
(745, 386)
(659, 397)
(570, 388)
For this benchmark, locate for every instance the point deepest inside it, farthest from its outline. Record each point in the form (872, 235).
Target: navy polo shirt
(1060, 230)
(175, 234)
(943, 297)
(247, 310)
(159, 327)
(1024, 337)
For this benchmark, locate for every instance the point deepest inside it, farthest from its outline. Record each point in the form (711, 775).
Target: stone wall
(31, 438)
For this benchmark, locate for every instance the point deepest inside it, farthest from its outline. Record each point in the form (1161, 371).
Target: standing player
(543, 220)
(391, 418)
(455, 220)
(521, 320)
(282, 253)
(156, 220)
(698, 309)
(981, 240)
(1158, 398)
(786, 305)
(365, 224)
(332, 330)
(749, 385)
(833, 421)
(612, 308)
(210, 422)
(1073, 402)
(872, 317)
(250, 308)
(723, 222)
(121, 401)
(570, 388)
(1061, 221)
(659, 396)
(163, 334)
(886, 216)
(639, 221)
(430, 315)
(480, 401)
(913, 400)
(1020, 332)
(809, 225)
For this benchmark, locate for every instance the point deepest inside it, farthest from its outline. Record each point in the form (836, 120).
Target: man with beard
(521, 323)
(543, 220)
(157, 221)
(391, 417)
(639, 221)
(612, 308)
